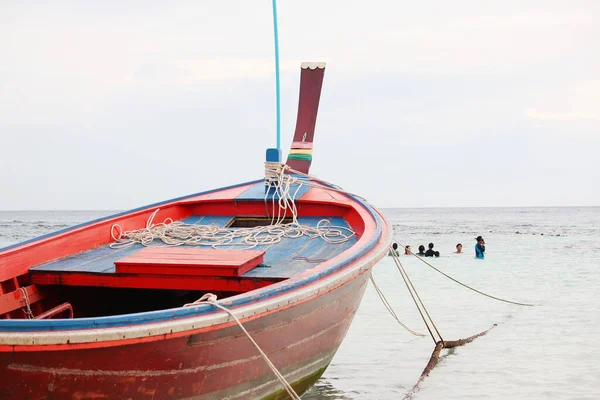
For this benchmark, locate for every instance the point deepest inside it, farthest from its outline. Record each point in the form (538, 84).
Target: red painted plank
(180, 270)
(190, 261)
(257, 208)
(140, 281)
(14, 300)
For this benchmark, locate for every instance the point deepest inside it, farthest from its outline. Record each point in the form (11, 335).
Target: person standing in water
(394, 249)
(479, 247)
(459, 248)
(421, 251)
(407, 251)
(430, 252)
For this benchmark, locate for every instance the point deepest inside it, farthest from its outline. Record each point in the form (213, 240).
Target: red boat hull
(216, 363)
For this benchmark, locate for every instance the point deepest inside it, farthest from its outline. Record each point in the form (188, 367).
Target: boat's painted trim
(159, 331)
(246, 306)
(327, 268)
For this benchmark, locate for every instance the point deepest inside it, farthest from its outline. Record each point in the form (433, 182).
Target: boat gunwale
(246, 305)
(175, 328)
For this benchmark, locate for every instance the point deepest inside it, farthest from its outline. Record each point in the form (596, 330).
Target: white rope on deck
(283, 199)
(211, 299)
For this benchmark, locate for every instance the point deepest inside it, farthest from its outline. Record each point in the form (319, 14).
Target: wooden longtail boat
(83, 316)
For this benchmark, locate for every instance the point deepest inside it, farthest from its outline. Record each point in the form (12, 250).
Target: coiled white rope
(280, 189)
(210, 298)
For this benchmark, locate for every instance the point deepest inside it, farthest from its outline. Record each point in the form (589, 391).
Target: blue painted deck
(285, 259)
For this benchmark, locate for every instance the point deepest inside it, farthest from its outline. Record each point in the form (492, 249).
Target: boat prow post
(311, 82)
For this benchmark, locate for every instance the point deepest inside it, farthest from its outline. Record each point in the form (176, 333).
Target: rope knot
(207, 298)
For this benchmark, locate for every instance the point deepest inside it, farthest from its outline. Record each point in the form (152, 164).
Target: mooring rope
(314, 179)
(411, 288)
(467, 286)
(211, 299)
(388, 306)
(439, 344)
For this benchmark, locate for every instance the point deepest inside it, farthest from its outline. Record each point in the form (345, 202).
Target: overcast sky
(114, 105)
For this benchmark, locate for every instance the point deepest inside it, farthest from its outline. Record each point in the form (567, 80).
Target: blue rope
(277, 88)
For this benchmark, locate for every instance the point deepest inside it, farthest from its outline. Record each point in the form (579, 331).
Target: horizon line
(381, 208)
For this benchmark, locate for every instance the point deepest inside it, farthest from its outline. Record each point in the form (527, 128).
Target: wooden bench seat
(190, 261)
(175, 268)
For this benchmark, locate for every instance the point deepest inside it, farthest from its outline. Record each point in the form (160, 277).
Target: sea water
(549, 257)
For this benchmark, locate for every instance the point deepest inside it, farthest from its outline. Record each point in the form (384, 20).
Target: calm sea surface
(550, 351)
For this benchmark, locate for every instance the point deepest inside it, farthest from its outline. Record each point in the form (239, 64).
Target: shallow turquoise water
(545, 352)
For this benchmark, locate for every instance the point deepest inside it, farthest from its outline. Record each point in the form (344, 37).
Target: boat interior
(76, 273)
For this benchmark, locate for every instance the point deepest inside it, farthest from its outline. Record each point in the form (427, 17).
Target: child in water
(394, 249)
(459, 248)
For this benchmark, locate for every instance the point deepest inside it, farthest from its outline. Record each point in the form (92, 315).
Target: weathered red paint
(149, 281)
(211, 364)
(16, 299)
(206, 363)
